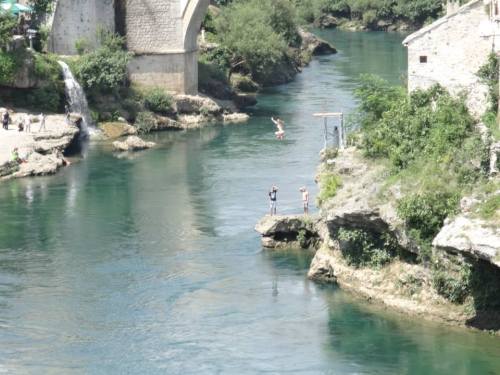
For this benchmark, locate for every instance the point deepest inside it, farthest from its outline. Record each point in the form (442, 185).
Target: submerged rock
(133, 143)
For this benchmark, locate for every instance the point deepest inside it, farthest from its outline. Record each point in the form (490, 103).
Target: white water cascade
(76, 98)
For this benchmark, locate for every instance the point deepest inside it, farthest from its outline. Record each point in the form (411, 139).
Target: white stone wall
(154, 26)
(78, 19)
(455, 51)
(176, 72)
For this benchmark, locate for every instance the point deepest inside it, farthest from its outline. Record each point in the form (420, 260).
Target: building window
(423, 59)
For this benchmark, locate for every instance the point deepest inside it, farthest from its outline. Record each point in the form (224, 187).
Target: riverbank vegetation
(374, 15)
(434, 152)
(254, 43)
(434, 156)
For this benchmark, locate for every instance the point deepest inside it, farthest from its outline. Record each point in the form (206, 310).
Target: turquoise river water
(149, 264)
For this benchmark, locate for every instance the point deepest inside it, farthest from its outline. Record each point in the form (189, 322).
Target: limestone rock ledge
(289, 231)
(357, 204)
(42, 151)
(470, 236)
(404, 287)
(315, 45)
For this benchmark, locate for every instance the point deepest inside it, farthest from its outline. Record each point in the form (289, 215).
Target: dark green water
(149, 264)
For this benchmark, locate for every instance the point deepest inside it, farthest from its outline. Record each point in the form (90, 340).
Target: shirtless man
(280, 124)
(305, 199)
(273, 197)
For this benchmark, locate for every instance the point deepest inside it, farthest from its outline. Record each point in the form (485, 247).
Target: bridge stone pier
(161, 33)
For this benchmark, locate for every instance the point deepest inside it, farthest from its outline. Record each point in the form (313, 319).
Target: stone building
(451, 50)
(161, 33)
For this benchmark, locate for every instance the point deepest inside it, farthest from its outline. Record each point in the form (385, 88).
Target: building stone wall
(79, 19)
(451, 51)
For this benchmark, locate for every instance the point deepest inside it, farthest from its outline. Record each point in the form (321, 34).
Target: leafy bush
(490, 207)
(45, 98)
(402, 128)
(145, 122)
(361, 248)
(256, 33)
(427, 212)
(329, 183)
(454, 286)
(489, 75)
(82, 46)
(7, 23)
(105, 69)
(8, 68)
(158, 101)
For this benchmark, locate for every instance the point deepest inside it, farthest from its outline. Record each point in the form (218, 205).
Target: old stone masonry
(161, 33)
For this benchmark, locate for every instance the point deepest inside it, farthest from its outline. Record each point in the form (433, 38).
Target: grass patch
(329, 183)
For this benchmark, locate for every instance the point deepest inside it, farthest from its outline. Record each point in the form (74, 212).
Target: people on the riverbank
(42, 122)
(27, 124)
(5, 120)
(280, 124)
(273, 197)
(305, 199)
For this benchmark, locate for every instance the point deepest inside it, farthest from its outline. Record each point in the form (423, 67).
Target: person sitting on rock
(15, 156)
(280, 124)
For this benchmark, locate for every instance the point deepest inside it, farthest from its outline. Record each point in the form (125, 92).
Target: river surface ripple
(149, 264)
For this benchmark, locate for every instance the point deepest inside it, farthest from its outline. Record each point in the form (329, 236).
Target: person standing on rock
(273, 196)
(305, 199)
(5, 120)
(27, 124)
(42, 123)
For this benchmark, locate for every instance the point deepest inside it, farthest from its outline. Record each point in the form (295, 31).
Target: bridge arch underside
(167, 55)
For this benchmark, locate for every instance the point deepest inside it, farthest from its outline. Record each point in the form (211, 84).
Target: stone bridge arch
(161, 33)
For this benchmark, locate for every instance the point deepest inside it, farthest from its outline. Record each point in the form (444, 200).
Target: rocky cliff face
(41, 151)
(467, 250)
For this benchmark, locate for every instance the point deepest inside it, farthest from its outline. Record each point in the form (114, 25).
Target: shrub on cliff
(405, 128)
(105, 69)
(7, 23)
(158, 101)
(8, 68)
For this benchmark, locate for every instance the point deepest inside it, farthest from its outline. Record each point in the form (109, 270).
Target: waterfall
(76, 97)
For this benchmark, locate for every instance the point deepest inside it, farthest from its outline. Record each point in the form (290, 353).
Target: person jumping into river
(280, 124)
(305, 199)
(273, 196)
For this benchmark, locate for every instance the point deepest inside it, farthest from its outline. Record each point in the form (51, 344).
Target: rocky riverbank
(41, 151)
(365, 248)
